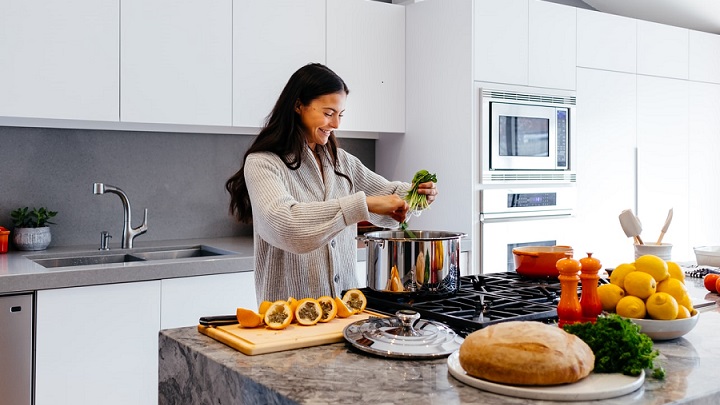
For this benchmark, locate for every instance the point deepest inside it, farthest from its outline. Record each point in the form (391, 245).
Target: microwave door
(522, 137)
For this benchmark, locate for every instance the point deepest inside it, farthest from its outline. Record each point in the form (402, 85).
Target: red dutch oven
(539, 261)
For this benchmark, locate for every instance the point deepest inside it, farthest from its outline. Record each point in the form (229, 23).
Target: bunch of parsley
(618, 345)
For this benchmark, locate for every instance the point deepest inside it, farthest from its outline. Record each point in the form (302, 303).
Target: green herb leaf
(618, 345)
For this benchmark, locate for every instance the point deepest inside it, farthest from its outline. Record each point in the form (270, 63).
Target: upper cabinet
(271, 40)
(606, 41)
(704, 57)
(176, 62)
(501, 41)
(662, 50)
(59, 59)
(525, 42)
(553, 45)
(366, 47)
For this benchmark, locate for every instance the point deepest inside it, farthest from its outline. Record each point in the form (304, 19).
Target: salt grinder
(589, 299)
(568, 310)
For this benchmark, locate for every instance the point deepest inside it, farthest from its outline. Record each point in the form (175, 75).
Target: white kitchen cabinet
(501, 41)
(176, 62)
(361, 272)
(703, 166)
(98, 344)
(606, 41)
(704, 57)
(271, 40)
(662, 142)
(607, 120)
(662, 50)
(366, 47)
(525, 42)
(552, 45)
(59, 59)
(185, 300)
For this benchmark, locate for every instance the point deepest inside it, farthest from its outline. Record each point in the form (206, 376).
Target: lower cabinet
(99, 344)
(361, 273)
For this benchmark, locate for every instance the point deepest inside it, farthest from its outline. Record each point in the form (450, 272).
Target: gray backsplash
(179, 177)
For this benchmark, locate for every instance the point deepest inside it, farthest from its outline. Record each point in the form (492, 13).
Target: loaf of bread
(526, 353)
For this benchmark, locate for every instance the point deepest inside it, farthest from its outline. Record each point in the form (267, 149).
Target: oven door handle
(519, 216)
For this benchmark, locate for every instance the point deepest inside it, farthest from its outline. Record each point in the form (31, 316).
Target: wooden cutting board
(261, 340)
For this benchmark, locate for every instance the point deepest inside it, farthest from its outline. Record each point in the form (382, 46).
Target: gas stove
(480, 301)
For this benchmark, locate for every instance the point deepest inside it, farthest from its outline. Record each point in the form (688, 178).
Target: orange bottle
(568, 310)
(589, 298)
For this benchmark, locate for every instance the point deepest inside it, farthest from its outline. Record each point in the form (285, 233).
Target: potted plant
(31, 228)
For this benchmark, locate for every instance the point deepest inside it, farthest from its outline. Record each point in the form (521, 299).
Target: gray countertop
(19, 273)
(197, 369)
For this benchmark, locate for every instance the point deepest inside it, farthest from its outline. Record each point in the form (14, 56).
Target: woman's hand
(392, 205)
(429, 189)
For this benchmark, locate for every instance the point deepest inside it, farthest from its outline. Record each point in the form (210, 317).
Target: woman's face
(321, 117)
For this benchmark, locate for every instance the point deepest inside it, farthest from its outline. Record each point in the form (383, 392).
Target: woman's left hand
(429, 189)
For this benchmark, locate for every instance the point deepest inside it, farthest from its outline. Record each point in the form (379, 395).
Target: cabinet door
(501, 41)
(185, 300)
(271, 40)
(361, 272)
(59, 59)
(552, 47)
(176, 62)
(366, 47)
(607, 120)
(662, 133)
(662, 50)
(704, 57)
(606, 41)
(98, 344)
(704, 165)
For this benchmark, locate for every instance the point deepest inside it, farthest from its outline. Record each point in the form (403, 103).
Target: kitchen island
(195, 369)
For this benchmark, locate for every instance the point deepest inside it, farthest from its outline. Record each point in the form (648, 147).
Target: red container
(539, 261)
(4, 240)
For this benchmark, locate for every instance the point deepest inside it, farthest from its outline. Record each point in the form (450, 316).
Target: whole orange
(710, 282)
(717, 285)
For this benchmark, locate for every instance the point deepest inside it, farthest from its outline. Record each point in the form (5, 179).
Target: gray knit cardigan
(304, 228)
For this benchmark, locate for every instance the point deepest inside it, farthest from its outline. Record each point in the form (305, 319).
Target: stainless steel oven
(523, 216)
(527, 136)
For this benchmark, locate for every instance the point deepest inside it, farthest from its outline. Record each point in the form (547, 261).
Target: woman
(305, 196)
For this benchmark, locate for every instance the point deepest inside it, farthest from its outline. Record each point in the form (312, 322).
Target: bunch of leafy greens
(618, 345)
(415, 200)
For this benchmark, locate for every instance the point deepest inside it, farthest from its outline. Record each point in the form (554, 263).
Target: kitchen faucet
(129, 233)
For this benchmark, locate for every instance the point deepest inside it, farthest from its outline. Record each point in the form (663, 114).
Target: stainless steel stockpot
(426, 264)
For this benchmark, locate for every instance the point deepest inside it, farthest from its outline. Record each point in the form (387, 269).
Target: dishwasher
(16, 348)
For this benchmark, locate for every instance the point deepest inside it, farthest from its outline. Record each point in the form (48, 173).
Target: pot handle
(366, 240)
(531, 254)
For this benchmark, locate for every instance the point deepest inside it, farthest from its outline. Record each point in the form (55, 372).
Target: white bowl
(707, 255)
(666, 330)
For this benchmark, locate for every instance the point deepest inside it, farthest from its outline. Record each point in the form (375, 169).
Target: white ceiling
(700, 15)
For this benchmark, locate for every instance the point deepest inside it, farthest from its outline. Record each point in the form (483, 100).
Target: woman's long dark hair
(284, 134)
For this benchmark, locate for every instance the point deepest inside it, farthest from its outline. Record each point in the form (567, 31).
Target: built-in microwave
(527, 136)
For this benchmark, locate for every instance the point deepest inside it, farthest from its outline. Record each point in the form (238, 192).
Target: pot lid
(403, 336)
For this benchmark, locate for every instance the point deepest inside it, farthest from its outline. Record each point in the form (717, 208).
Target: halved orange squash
(308, 311)
(264, 307)
(356, 300)
(248, 318)
(279, 315)
(329, 308)
(343, 311)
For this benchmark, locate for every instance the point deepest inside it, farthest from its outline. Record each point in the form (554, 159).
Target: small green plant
(37, 218)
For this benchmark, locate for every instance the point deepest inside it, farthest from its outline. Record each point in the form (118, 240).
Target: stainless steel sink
(134, 255)
(198, 251)
(87, 260)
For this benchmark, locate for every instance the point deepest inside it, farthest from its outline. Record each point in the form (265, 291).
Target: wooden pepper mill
(568, 310)
(589, 299)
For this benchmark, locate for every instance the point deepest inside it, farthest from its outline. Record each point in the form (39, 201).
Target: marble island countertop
(195, 369)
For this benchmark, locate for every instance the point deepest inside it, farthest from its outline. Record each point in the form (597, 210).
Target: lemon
(639, 284)
(662, 306)
(673, 287)
(631, 307)
(652, 265)
(609, 295)
(617, 276)
(683, 313)
(675, 271)
(686, 302)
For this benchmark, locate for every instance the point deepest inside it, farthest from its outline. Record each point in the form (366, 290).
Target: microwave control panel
(562, 137)
(516, 200)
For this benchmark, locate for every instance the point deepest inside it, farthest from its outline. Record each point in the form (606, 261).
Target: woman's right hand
(392, 205)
